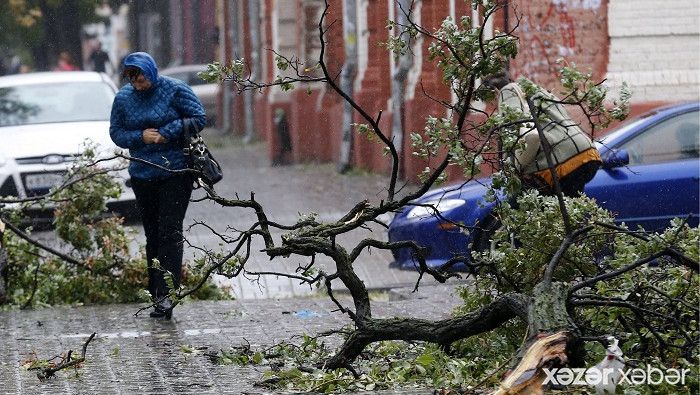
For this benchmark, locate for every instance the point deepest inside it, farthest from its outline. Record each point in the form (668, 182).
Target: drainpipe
(347, 80)
(398, 88)
(235, 11)
(506, 28)
(226, 56)
(176, 33)
(256, 67)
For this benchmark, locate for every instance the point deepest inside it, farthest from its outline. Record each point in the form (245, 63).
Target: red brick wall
(433, 12)
(315, 118)
(548, 29)
(574, 30)
(375, 89)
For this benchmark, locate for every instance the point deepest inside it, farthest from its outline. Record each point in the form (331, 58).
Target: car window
(182, 76)
(673, 139)
(55, 102)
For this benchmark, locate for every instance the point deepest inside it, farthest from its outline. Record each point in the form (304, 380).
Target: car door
(661, 181)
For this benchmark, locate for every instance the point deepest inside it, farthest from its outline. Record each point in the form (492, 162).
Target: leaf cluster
(384, 365)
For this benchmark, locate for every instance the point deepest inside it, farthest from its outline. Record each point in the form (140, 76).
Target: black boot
(164, 308)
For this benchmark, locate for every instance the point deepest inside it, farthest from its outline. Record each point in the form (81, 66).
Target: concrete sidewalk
(141, 355)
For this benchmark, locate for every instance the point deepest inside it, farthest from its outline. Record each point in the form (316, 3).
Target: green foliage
(463, 55)
(580, 87)
(237, 72)
(111, 272)
(365, 130)
(24, 22)
(398, 44)
(664, 334)
(384, 365)
(669, 331)
(19, 22)
(539, 228)
(440, 135)
(285, 83)
(218, 71)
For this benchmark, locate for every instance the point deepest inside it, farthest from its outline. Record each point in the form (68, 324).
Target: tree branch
(66, 362)
(42, 246)
(443, 332)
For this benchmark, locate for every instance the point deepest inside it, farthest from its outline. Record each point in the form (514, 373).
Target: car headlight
(432, 207)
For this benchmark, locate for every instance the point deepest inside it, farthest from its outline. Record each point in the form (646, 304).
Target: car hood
(471, 191)
(65, 138)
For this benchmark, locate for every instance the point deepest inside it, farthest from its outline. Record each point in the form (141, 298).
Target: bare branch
(43, 246)
(592, 281)
(66, 362)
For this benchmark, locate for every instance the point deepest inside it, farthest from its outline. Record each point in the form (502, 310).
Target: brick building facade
(653, 45)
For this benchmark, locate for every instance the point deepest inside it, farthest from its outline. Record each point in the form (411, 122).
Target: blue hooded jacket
(162, 106)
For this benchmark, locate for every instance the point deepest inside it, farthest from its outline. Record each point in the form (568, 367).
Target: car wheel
(486, 229)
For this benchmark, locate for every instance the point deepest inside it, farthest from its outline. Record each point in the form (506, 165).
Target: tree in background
(37, 30)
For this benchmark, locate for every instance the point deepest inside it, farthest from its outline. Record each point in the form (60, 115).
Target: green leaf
(425, 359)
(257, 358)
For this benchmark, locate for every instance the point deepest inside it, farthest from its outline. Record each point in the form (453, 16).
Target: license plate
(43, 180)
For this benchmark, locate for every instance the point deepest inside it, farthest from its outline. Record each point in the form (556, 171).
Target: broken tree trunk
(551, 333)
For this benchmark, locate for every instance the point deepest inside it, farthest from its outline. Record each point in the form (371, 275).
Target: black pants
(163, 204)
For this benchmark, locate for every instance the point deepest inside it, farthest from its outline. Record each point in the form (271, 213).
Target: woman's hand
(151, 136)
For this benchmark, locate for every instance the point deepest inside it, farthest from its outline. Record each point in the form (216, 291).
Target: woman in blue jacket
(147, 120)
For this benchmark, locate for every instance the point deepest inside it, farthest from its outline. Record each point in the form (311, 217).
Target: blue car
(649, 176)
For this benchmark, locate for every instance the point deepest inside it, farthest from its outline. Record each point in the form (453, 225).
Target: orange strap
(570, 165)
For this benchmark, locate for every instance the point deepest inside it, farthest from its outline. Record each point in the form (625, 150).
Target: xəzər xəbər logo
(596, 376)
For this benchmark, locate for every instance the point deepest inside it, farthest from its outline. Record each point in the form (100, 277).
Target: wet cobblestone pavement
(141, 355)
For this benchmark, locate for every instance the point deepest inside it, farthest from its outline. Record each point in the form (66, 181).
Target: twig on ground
(66, 362)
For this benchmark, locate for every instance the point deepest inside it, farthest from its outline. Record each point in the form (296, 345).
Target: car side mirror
(616, 158)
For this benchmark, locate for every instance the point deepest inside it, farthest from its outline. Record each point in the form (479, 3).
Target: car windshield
(190, 77)
(612, 136)
(55, 102)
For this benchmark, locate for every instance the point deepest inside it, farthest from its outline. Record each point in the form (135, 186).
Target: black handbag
(199, 158)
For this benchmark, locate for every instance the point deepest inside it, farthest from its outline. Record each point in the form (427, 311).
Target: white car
(205, 91)
(45, 120)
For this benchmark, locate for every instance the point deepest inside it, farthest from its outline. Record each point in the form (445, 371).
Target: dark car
(649, 176)
(206, 91)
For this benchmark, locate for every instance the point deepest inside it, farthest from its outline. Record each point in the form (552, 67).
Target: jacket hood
(145, 62)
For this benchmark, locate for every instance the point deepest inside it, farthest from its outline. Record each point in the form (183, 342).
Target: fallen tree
(573, 277)
(557, 287)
